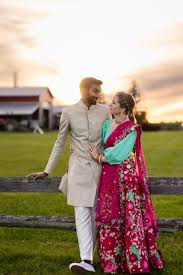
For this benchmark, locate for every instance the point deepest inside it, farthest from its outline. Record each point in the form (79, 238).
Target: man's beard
(93, 102)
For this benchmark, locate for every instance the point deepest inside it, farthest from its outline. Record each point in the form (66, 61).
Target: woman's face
(115, 108)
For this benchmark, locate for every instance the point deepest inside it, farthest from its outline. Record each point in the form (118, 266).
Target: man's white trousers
(86, 231)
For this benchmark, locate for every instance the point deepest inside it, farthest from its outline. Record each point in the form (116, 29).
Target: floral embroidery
(126, 231)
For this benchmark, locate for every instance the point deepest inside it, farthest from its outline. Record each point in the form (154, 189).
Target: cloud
(174, 35)
(28, 47)
(171, 36)
(17, 42)
(161, 88)
(161, 76)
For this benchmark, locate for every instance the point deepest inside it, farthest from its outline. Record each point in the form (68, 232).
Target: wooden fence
(158, 185)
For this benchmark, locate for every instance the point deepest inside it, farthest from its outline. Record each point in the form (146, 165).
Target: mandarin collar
(83, 106)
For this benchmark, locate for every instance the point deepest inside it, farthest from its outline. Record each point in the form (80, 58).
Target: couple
(107, 183)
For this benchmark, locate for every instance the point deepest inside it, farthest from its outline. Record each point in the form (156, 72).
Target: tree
(134, 91)
(139, 115)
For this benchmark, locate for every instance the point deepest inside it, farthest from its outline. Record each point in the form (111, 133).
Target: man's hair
(87, 82)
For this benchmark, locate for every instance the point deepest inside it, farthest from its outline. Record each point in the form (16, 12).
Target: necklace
(115, 124)
(119, 122)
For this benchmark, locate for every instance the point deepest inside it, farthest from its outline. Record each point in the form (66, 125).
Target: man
(83, 121)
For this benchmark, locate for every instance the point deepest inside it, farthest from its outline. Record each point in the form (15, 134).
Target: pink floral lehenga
(126, 220)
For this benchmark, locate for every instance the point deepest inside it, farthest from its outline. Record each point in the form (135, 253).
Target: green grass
(164, 153)
(54, 204)
(49, 251)
(40, 204)
(43, 251)
(24, 153)
(46, 251)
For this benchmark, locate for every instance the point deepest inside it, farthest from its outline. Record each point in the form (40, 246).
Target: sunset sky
(56, 43)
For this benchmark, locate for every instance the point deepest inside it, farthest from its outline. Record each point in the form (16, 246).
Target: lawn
(24, 153)
(48, 251)
(43, 251)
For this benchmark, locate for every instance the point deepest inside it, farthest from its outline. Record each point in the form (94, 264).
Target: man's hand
(39, 175)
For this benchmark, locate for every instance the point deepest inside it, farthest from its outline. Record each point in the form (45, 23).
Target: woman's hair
(87, 82)
(127, 102)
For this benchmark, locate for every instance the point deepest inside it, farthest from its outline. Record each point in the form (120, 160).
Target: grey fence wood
(68, 223)
(158, 185)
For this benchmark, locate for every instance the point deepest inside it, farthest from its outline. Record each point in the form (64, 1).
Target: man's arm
(59, 143)
(58, 147)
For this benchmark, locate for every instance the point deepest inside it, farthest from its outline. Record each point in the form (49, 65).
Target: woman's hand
(99, 157)
(93, 151)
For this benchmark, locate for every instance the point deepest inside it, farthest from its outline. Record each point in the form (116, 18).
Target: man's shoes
(81, 267)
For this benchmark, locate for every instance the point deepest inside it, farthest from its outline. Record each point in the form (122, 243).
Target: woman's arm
(122, 150)
(118, 153)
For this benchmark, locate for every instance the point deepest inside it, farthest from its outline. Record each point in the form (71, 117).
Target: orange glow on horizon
(109, 40)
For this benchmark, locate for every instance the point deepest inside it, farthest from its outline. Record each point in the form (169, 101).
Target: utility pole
(15, 74)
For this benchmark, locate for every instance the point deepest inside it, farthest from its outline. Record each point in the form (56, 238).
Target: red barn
(25, 105)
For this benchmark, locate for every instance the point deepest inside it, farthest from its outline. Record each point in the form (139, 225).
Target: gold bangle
(97, 158)
(100, 159)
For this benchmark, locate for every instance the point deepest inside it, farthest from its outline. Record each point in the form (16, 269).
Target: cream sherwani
(84, 126)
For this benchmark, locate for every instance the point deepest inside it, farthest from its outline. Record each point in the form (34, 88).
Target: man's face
(93, 94)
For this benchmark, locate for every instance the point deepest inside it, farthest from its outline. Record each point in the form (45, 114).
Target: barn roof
(23, 91)
(23, 108)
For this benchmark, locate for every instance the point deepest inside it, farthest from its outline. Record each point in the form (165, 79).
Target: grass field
(43, 251)
(24, 153)
(35, 251)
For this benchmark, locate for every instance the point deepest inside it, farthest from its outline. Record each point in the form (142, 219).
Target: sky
(56, 43)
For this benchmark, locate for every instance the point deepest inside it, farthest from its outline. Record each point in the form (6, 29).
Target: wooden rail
(68, 223)
(158, 185)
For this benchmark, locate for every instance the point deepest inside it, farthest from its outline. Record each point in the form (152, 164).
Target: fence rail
(68, 223)
(158, 185)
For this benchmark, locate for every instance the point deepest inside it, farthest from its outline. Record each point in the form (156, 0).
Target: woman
(125, 218)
